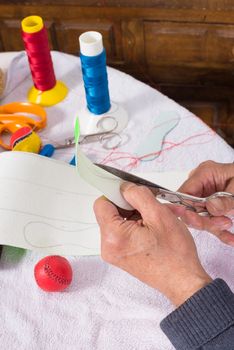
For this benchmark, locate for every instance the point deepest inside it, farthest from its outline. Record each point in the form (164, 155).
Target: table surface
(105, 308)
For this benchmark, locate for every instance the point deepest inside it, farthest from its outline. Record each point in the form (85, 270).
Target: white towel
(105, 308)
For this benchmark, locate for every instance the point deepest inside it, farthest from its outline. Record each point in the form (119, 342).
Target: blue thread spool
(93, 63)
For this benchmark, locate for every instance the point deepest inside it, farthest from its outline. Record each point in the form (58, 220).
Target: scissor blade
(159, 191)
(84, 139)
(131, 178)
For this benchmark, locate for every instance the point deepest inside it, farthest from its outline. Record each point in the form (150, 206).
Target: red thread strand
(40, 61)
(114, 156)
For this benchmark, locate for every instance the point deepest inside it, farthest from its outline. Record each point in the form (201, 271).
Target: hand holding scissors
(192, 203)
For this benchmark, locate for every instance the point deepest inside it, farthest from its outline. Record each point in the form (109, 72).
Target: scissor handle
(220, 195)
(175, 197)
(9, 112)
(178, 197)
(20, 119)
(196, 204)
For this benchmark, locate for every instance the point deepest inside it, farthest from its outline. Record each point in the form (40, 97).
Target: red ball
(53, 273)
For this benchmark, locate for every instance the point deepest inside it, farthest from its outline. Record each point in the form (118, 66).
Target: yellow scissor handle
(10, 113)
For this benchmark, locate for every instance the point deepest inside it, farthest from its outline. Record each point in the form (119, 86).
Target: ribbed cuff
(201, 318)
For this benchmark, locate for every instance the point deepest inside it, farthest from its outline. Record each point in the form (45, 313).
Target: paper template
(101, 179)
(46, 206)
(153, 142)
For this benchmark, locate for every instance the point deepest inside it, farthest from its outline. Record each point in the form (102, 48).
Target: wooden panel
(68, 33)
(199, 76)
(207, 111)
(133, 42)
(68, 9)
(217, 5)
(221, 44)
(199, 45)
(167, 43)
(10, 35)
(11, 40)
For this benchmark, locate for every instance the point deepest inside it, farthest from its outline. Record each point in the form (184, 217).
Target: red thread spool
(46, 91)
(39, 57)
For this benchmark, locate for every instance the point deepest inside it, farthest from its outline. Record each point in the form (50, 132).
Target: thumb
(220, 206)
(223, 205)
(143, 200)
(105, 212)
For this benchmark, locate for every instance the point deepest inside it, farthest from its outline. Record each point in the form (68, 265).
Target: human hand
(157, 248)
(210, 177)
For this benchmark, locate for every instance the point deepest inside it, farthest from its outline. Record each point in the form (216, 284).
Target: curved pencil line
(56, 245)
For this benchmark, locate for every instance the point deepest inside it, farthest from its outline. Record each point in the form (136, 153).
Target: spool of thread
(93, 62)
(46, 91)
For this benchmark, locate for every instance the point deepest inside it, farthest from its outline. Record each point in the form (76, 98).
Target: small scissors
(195, 204)
(12, 118)
(108, 138)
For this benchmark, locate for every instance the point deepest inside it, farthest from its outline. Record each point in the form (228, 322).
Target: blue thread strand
(96, 83)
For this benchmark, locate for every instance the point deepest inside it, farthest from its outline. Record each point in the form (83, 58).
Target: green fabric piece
(13, 254)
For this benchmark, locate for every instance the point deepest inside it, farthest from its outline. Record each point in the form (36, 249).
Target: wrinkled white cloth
(105, 308)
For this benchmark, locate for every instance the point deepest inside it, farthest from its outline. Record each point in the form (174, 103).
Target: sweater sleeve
(205, 321)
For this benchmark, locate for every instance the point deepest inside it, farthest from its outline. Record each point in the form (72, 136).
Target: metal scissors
(195, 204)
(12, 118)
(108, 138)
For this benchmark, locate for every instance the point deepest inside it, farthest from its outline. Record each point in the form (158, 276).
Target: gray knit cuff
(202, 317)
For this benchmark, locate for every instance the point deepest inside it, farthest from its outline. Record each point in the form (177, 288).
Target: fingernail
(104, 198)
(217, 204)
(125, 186)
